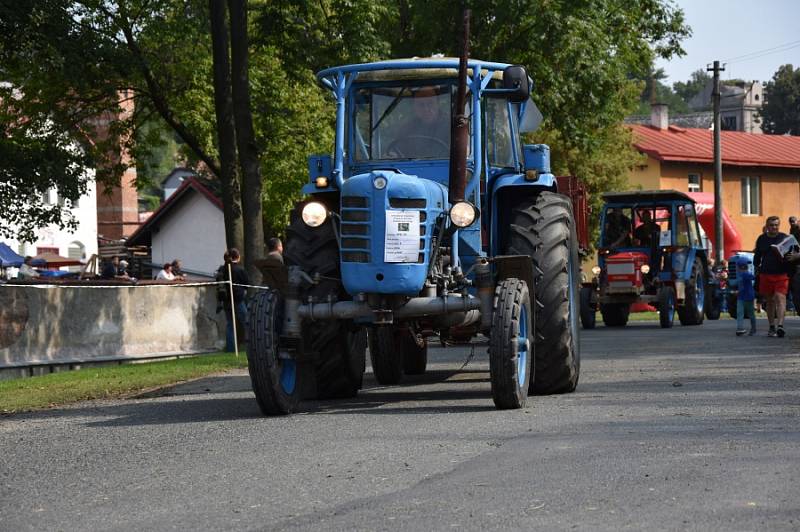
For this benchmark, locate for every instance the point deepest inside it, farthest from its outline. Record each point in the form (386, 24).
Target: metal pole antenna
(719, 252)
(233, 312)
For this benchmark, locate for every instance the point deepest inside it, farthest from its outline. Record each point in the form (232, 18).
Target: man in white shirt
(166, 273)
(26, 271)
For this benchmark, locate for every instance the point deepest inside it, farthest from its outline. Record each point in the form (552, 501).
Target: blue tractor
(404, 235)
(651, 251)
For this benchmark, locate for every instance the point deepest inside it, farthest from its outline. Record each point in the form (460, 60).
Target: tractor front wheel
(693, 309)
(666, 306)
(273, 374)
(544, 229)
(510, 344)
(615, 314)
(385, 355)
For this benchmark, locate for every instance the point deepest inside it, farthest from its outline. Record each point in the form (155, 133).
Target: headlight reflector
(645, 268)
(314, 214)
(463, 214)
(596, 269)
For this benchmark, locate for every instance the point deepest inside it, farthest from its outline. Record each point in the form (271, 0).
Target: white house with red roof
(188, 226)
(760, 173)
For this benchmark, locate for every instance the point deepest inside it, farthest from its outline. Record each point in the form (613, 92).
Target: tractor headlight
(379, 182)
(463, 214)
(314, 214)
(645, 268)
(596, 269)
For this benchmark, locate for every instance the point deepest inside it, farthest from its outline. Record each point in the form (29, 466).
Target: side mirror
(515, 78)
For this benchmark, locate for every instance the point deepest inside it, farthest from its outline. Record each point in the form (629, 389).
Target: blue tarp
(8, 258)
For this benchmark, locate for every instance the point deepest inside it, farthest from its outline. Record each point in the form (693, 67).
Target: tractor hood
(387, 223)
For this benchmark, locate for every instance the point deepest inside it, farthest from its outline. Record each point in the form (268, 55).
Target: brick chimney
(659, 115)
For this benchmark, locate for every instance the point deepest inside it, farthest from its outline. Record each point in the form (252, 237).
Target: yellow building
(760, 173)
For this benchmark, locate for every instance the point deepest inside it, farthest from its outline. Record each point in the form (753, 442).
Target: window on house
(729, 123)
(751, 195)
(40, 250)
(695, 185)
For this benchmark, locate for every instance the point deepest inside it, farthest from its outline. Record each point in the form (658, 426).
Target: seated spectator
(166, 273)
(26, 271)
(177, 270)
(110, 268)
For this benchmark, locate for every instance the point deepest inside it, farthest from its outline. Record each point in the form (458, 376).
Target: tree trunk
(245, 141)
(226, 134)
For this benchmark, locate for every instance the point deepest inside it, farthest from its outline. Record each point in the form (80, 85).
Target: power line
(761, 53)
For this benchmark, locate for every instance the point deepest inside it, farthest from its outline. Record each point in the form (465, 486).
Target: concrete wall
(69, 325)
(194, 232)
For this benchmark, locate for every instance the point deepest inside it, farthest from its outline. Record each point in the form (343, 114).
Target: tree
(780, 113)
(694, 86)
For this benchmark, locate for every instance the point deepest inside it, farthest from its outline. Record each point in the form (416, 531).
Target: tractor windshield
(402, 122)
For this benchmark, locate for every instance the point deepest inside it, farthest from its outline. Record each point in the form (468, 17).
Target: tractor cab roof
(413, 68)
(639, 197)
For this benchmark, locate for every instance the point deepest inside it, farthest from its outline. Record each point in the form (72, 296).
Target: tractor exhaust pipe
(459, 135)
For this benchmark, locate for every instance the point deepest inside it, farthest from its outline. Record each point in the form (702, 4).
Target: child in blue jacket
(747, 294)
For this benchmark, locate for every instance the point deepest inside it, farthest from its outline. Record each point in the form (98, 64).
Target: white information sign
(402, 236)
(665, 238)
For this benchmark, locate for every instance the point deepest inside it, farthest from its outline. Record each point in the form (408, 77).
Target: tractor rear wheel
(510, 344)
(385, 355)
(615, 314)
(693, 308)
(544, 229)
(338, 345)
(588, 312)
(666, 306)
(415, 356)
(274, 376)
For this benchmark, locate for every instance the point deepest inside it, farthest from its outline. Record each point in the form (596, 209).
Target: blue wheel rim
(671, 306)
(522, 346)
(700, 293)
(288, 378)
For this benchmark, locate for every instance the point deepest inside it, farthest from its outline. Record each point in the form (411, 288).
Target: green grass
(653, 316)
(107, 382)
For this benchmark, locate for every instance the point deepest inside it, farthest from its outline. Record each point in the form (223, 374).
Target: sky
(733, 32)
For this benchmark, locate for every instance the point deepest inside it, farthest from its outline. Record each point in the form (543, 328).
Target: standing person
(26, 271)
(177, 270)
(238, 276)
(275, 249)
(745, 301)
(773, 282)
(166, 273)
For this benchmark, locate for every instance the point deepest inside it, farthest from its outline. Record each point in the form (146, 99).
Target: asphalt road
(683, 429)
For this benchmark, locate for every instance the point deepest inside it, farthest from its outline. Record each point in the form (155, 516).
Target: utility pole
(718, 236)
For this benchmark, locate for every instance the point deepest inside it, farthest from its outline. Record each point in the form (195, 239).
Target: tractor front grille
(355, 229)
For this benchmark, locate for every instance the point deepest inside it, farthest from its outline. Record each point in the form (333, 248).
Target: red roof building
(760, 173)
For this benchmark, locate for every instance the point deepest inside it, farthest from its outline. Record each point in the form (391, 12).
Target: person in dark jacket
(773, 281)
(239, 277)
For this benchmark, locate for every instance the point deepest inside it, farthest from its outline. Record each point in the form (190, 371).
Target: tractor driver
(645, 232)
(426, 132)
(617, 229)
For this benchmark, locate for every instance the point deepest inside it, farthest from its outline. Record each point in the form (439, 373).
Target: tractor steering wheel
(418, 146)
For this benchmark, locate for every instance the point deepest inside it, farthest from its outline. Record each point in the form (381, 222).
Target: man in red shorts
(773, 281)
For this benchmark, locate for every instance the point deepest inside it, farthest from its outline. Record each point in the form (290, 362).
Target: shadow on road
(221, 399)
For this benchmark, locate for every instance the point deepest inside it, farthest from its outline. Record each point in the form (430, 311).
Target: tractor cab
(650, 251)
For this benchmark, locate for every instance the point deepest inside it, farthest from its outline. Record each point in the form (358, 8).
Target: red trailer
(575, 188)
